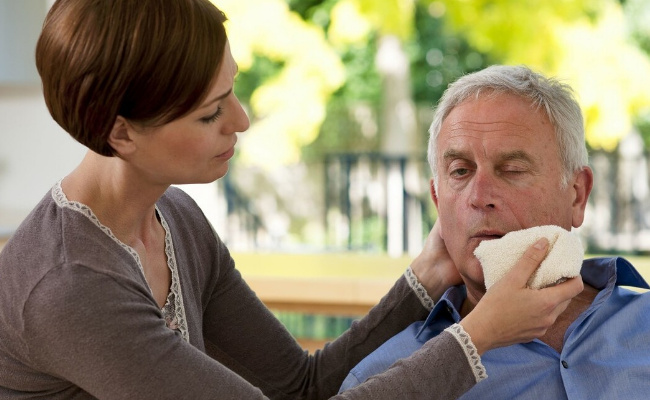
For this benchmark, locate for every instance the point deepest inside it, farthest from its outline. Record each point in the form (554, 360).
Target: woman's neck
(119, 198)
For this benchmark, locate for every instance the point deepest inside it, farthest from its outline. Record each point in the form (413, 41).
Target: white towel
(563, 259)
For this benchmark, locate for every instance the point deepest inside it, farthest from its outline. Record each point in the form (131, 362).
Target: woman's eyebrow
(220, 97)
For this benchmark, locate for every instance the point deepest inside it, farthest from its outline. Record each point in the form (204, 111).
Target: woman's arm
(449, 364)
(102, 334)
(439, 370)
(243, 334)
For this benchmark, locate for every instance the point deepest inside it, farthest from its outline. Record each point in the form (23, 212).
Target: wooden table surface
(334, 284)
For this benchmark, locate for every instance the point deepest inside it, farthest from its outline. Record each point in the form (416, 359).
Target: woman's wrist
(476, 330)
(465, 341)
(420, 291)
(430, 278)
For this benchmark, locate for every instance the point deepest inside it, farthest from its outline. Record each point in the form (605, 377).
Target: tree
(584, 42)
(288, 106)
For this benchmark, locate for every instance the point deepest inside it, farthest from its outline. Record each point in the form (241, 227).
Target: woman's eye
(212, 118)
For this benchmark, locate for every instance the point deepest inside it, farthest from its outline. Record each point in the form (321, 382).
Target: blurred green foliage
(598, 46)
(310, 81)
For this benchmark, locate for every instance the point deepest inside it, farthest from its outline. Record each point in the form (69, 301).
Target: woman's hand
(433, 266)
(510, 312)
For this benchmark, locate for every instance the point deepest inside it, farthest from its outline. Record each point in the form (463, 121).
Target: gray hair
(554, 97)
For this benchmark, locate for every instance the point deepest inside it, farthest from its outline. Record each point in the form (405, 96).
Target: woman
(116, 286)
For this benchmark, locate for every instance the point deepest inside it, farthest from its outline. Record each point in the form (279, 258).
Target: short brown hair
(149, 61)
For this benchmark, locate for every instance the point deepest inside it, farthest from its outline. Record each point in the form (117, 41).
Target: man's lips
(487, 235)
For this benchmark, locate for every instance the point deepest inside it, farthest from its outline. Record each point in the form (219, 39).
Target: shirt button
(565, 364)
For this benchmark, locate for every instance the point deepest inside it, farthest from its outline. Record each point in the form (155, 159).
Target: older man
(507, 153)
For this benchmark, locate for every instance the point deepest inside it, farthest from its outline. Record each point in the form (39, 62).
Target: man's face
(499, 170)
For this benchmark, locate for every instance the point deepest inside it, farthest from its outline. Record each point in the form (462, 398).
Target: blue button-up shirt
(606, 352)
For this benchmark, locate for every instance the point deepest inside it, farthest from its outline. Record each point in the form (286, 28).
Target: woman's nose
(239, 119)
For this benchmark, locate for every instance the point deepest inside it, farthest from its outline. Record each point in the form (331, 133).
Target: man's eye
(458, 172)
(513, 171)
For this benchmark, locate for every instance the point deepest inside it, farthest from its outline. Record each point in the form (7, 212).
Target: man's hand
(433, 266)
(510, 312)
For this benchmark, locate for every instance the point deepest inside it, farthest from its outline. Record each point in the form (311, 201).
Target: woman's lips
(227, 154)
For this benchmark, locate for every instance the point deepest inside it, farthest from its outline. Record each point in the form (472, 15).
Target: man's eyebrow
(517, 155)
(453, 154)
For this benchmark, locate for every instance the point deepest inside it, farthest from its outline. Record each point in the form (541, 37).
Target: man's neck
(554, 336)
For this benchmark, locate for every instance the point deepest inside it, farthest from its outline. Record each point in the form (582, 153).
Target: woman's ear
(120, 138)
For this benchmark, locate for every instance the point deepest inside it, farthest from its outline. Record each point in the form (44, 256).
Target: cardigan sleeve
(439, 370)
(105, 335)
(244, 335)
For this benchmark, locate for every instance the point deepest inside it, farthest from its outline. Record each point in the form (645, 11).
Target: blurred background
(340, 94)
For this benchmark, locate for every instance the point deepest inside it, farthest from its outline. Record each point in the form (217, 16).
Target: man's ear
(120, 137)
(582, 185)
(432, 190)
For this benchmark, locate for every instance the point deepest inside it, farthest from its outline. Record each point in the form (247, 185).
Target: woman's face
(197, 147)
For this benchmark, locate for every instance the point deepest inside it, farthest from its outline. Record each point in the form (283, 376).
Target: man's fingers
(529, 262)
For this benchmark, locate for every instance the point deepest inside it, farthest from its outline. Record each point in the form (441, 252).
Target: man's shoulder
(598, 271)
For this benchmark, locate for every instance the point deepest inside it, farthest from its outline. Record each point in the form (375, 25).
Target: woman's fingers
(565, 290)
(510, 312)
(528, 263)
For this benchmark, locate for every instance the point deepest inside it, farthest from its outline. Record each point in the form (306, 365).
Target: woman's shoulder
(182, 213)
(58, 233)
(176, 201)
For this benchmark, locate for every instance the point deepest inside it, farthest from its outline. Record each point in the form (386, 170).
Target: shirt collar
(601, 273)
(449, 304)
(605, 271)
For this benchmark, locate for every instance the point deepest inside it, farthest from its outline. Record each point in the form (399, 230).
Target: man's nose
(484, 191)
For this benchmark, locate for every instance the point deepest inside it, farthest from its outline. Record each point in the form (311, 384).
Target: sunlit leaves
(288, 109)
(391, 17)
(349, 25)
(611, 76)
(583, 41)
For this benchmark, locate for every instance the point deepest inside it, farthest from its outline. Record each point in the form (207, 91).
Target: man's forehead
(459, 140)
(494, 108)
